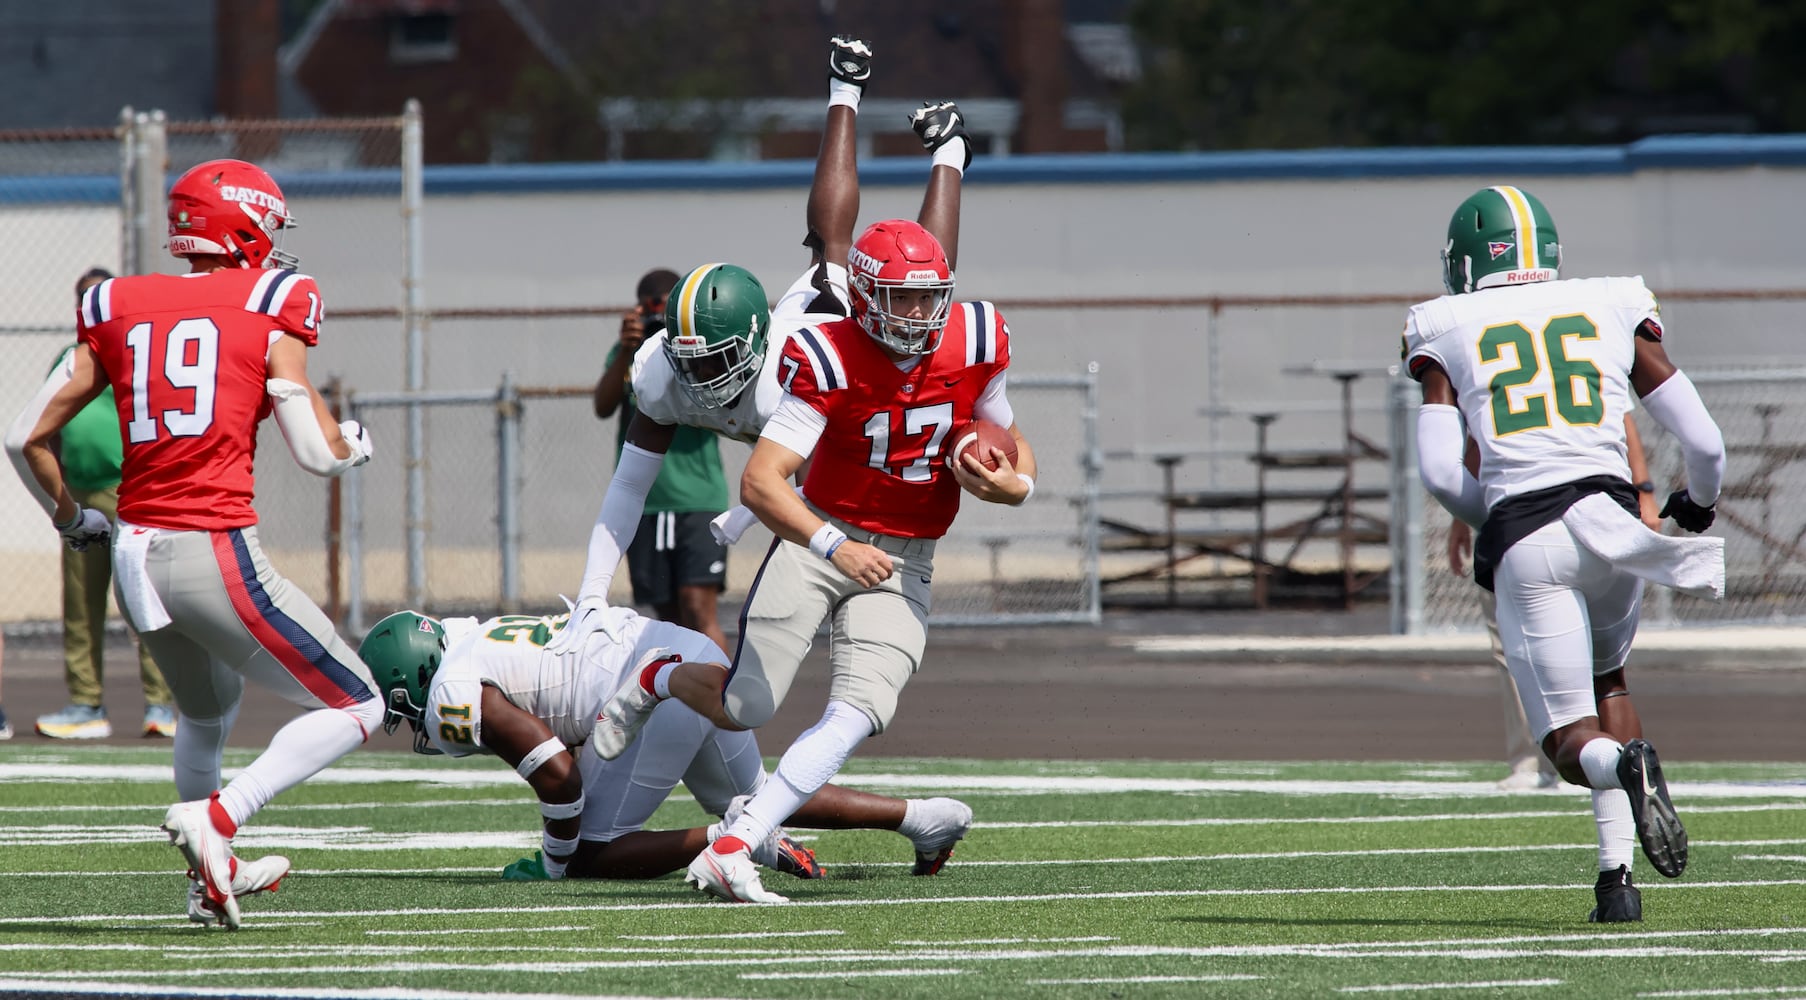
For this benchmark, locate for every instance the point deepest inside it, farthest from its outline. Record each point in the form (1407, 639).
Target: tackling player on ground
(469, 687)
(196, 362)
(1541, 370)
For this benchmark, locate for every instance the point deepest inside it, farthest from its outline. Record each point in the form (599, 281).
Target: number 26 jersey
(1541, 374)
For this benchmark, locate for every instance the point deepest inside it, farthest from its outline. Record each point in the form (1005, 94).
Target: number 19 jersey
(187, 357)
(1541, 374)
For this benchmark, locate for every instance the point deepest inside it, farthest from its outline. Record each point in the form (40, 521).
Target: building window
(422, 38)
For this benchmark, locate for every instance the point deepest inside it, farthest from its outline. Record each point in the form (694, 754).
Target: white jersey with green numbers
(1541, 374)
(659, 397)
(508, 653)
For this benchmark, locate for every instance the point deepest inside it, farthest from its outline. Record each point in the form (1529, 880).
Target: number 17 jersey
(1541, 374)
(188, 357)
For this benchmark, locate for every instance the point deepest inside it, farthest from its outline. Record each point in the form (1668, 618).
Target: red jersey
(187, 357)
(880, 464)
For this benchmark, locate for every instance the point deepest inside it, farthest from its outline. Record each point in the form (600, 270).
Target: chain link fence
(515, 475)
(1762, 413)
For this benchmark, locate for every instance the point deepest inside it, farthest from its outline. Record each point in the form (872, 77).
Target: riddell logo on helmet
(1536, 274)
(928, 274)
(263, 199)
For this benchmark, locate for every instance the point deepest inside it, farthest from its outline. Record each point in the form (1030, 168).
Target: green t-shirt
(91, 450)
(691, 478)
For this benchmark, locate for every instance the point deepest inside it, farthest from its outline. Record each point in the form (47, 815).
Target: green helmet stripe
(1524, 221)
(686, 300)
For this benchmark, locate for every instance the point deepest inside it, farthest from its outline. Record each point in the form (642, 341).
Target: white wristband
(826, 539)
(1028, 481)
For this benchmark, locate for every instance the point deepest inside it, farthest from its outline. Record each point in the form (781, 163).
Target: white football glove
(588, 616)
(728, 527)
(359, 439)
(85, 528)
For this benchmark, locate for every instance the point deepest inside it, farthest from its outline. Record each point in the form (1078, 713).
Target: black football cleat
(1618, 901)
(938, 122)
(850, 60)
(1659, 830)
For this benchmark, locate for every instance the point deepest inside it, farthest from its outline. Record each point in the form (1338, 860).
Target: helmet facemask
(906, 316)
(713, 375)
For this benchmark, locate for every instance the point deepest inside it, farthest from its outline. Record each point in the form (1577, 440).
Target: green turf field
(1101, 879)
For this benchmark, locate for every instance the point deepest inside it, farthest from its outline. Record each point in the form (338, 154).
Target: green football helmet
(1500, 235)
(716, 322)
(403, 652)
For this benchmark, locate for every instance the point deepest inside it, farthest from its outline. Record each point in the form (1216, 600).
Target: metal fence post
(1405, 577)
(353, 498)
(508, 489)
(413, 319)
(1094, 475)
(148, 140)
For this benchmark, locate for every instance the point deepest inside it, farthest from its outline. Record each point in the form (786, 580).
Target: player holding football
(714, 365)
(469, 687)
(869, 402)
(1541, 370)
(196, 362)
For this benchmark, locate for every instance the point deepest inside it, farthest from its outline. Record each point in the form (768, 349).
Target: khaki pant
(875, 635)
(87, 580)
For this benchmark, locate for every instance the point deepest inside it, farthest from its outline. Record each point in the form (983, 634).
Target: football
(983, 435)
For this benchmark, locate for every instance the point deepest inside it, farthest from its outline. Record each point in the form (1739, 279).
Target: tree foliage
(1245, 74)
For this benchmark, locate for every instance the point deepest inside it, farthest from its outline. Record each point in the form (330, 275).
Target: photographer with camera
(676, 566)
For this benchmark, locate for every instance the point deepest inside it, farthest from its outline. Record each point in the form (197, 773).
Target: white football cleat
(262, 875)
(939, 824)
(209, 856)
(731, 876)
(627, 709)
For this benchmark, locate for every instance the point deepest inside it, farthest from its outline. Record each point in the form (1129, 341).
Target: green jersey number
(515, 628)
(1577, 399)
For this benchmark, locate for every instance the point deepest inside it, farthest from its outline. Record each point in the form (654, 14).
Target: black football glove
(1688, 514)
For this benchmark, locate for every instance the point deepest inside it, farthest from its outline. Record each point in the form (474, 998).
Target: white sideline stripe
(1225, 978)
(1748, 991)
(285, 807)
(1415, 986)
(1463, 643)
(1012, 940)
(1032, 784)
(757, 935)
(1075, 824)
(60, 985)
(852, 973)
(468, 930)
(644, 907)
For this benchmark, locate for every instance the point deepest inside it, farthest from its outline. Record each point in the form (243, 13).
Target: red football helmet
(901, 284)
(229, 208)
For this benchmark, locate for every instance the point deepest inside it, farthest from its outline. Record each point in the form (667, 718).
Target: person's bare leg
(838, 808)
(699, 685)
(1617, 714)
(639, 855)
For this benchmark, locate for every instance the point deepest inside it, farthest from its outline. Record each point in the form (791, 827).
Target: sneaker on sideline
(160, 720)
(76, 722)
(730, 876)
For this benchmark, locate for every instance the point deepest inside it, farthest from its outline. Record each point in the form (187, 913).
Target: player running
(196, 362)
(1541, 370)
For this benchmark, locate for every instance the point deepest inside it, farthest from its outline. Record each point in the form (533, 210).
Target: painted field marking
(472, 930)
(1416, 986)
(1009, 940)
(760, 935)
(1225, 978)
(853, 973)
(64, 987)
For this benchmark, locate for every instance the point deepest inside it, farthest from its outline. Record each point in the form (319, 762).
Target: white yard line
(645, 907)
(854, 974)
(1413, 987)
(1225, 978)
(62, 986)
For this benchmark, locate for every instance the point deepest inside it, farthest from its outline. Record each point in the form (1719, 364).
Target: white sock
(197, 747)
(298, 751)
(811, 762)
(842, 92)
(1599, 759)
(661, 681)
(952, 154)
(1617, 831)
